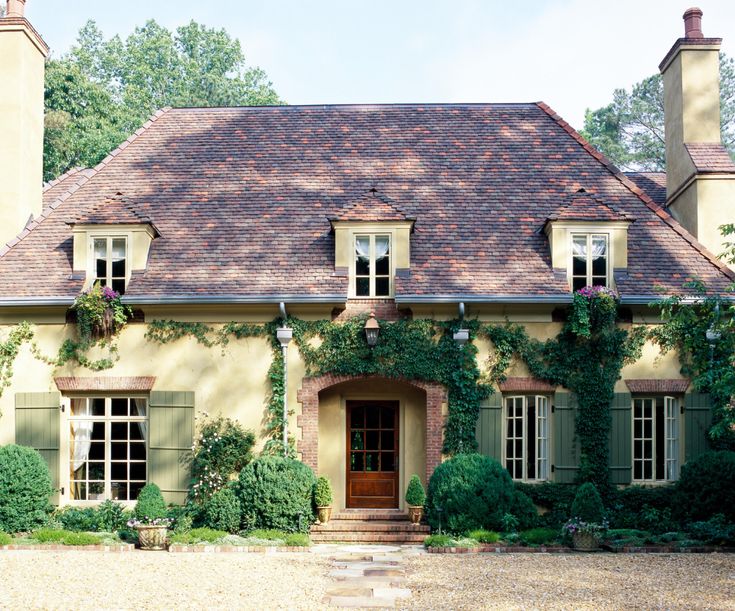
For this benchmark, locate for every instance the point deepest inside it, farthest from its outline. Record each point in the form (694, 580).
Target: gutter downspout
(284, 335)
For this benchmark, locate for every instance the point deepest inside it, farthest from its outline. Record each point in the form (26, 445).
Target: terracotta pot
(585, 542)
(324, 513)
(415, 513)
(152, 537)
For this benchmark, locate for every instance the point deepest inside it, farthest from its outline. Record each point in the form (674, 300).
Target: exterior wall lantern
(461, 337)
(284, 335)
(372, 330)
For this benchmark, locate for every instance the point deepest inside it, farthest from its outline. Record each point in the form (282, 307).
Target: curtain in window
(81, 434)
(140, 410)
(599, 249)
(381, 248)
(362, 248)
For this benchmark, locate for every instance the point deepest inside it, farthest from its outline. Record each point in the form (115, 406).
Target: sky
(570, 54)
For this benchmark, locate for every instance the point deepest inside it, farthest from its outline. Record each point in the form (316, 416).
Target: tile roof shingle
(242, 198)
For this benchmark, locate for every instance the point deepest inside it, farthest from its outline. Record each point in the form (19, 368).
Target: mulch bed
(52, 547)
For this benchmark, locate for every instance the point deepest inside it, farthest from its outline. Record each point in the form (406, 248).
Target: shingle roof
(242, 198)
(652, 183)
(583, 206)
(117, 209)
(371, 205)
(710, 158)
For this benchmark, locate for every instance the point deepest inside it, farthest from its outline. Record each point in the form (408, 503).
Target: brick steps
(369, 526)
(367, 537)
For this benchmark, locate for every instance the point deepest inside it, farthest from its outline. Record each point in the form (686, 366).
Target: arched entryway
(340, 413)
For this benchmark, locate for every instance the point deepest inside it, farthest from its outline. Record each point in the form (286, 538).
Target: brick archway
(308, 421)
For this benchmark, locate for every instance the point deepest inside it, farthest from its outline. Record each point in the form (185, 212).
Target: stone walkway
(367, 576)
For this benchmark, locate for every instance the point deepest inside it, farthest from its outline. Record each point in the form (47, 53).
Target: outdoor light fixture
(461, 337)
(372, 330)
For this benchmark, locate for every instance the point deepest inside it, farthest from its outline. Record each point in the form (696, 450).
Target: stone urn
(324, 514)
(585, 542)
(415, 513)
(152, 537)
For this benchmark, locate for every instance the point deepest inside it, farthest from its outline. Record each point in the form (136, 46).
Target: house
(493, 212)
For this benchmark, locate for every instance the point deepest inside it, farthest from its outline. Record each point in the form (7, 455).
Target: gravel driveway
(572, 581)
(155, 580)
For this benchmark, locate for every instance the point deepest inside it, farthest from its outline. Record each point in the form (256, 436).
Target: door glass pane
(372, 420)
(386, 440)
(371, 461)
(98, 407)
(119, 430)
(119, 407)
(356, 462)
(137, 451)
(373, 440)
(119, 451)
(119, 470)
(357, 419)
(387, 461)
(358, 443)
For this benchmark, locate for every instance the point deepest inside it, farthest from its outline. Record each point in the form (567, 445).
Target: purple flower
(109, 294)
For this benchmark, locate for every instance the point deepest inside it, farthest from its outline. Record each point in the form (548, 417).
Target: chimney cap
(693, 23)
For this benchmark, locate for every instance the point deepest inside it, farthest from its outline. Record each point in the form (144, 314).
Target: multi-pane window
(108, 448)
(110, 262)
(372, 266)
(655, 439)
(527, 437)
(590, 260)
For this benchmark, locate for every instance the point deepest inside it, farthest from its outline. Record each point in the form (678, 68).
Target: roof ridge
(636, 190)
(87, 175)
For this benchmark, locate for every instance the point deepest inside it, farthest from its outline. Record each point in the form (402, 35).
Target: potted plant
(149, 518)
(588, 523)
(323, 499)
(415, 499)
(585, 535)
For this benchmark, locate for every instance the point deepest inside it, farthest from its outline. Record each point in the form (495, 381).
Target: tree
(630, 130)
(103, 90)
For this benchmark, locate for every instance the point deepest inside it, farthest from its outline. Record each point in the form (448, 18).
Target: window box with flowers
(100, 313)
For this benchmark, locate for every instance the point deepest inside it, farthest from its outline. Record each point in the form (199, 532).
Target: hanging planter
(100, 313)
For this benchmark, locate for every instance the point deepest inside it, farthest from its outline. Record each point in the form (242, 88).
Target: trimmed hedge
(25, 488)
(707, 487)
(276, 492)
(587, 505)
(469, 492)
(150, 504)
(222, 511)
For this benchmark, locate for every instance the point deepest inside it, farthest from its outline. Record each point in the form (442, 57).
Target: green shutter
(566, 446)
(37, 426)
(621, 439)
(171, 438)
(697, 422)
(490, 427)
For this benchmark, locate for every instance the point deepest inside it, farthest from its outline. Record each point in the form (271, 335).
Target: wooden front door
(372, 454)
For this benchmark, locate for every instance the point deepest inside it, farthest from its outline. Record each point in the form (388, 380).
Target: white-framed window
(655, 439)
(372, 266)
(590, 265)
(108, 448)
(527, 437)
(110, 258)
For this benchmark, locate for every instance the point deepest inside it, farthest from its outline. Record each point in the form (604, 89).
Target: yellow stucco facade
(232, 381)
(21, 125)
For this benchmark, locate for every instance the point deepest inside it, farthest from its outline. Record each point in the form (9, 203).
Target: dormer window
(110, 263)
(372, 271)
(590, 256)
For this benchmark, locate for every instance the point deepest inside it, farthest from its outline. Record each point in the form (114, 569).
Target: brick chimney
(700, 177)
(22, 57)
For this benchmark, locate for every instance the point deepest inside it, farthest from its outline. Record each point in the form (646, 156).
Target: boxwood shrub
(222, 511)
(524, 510)
(587, 505)
(25, 488)
(468, 492)
(150, 504)
(707, 486)
(276, 492)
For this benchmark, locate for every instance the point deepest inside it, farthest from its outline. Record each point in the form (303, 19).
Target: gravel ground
(158, 580)
(155, 580)
(572, 581)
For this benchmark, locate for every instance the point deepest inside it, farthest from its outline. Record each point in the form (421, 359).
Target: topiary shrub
(222, 511)
(150, 505)
(468, 492)
(415, 493)
(322, 492)
(524, 509)
(25, 488)
(276, 492)
(706, 486)
(587, 505)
